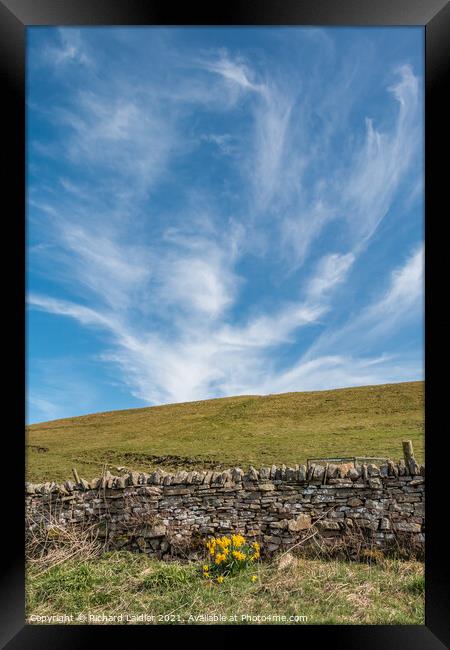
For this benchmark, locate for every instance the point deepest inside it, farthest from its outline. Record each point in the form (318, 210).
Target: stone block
(327, 524)
(299, 523)
(407, 527)
(385, 523)
(354, 502)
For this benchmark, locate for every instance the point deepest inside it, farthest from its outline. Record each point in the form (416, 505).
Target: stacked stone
(160, 513)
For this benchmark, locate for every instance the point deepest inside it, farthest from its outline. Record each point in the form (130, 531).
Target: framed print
(230, 224)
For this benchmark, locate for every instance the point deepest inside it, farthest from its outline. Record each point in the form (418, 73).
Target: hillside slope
(258, 430)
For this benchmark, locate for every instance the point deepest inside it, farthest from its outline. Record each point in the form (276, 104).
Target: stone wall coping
(329, 476)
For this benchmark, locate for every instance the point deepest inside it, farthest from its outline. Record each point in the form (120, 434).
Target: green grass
(325, 591)
(289, 428)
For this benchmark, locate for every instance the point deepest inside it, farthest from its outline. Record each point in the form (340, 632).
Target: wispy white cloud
(359, 191)
(400, 304)
(165, 285)
(235, 72)
(202, 356)
(340, 371)
(223, 141)
(85, 315)
(269, 166)
(301, 227)
(199, 284)
(264, 331)
(205, 359)
(270, 157)
(333, 270)
(113, 272)
(403, 300)
(382, 162)
(123, 134)
(71, 49)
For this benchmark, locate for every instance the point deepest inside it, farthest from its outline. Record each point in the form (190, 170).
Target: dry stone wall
(168, 514)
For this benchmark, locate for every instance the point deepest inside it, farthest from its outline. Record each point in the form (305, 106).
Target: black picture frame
(434, 16)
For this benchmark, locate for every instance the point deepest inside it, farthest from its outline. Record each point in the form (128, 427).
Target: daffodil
(239, 556)
(228, 554)
(238, 540)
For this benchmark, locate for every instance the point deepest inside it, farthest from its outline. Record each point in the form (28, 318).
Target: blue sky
(221, 211)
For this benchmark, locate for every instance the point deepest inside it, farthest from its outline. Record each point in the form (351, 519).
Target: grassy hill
(289, 428)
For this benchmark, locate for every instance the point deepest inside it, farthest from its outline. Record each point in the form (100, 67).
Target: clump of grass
(416, 585)
(168, 576)
(74, 587)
